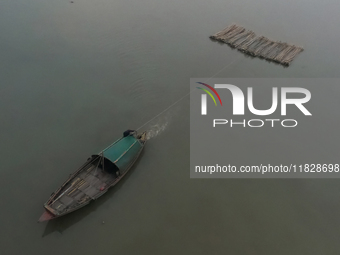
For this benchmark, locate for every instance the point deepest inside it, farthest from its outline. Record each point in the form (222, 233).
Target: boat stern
(142, 137)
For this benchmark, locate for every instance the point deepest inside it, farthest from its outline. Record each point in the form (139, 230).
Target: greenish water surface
(74, 76)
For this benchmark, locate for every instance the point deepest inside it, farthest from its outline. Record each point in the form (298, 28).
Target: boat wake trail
(156, 129)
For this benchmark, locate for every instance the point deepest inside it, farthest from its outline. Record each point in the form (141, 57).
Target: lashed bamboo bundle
(257, 46)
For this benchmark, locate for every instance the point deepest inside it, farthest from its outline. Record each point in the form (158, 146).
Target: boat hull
(91, 183)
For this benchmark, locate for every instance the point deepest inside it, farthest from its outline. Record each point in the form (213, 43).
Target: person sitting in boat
(128, 132)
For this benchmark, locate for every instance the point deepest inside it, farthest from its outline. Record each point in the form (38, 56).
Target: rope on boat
(173, 104)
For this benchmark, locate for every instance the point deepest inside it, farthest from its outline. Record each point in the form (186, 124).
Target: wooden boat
(95, 177)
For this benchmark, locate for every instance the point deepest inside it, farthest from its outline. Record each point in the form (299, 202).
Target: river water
(74, 76)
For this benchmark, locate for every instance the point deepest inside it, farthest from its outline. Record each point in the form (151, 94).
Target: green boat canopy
(123, 152)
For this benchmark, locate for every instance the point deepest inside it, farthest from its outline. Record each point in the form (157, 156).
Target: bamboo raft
(251, 44)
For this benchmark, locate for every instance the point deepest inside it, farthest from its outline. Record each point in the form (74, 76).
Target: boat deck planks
(84, 186)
